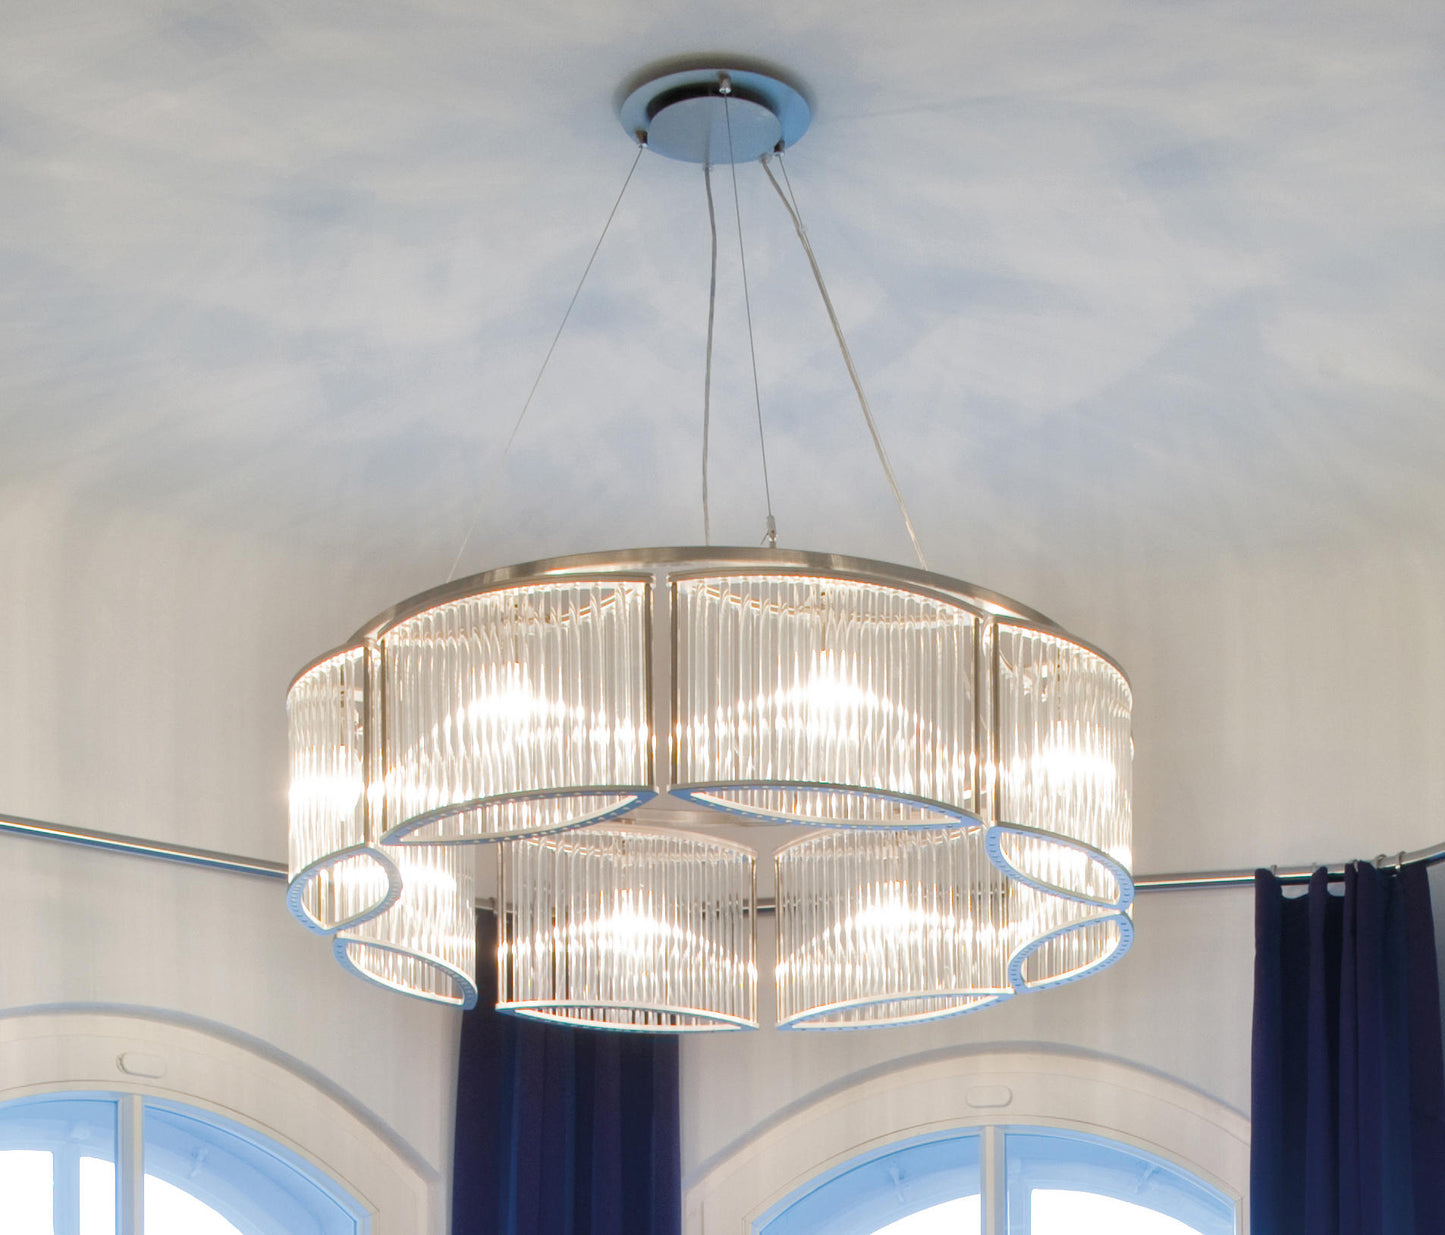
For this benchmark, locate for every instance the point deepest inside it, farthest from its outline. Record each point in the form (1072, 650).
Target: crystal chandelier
(960, 767)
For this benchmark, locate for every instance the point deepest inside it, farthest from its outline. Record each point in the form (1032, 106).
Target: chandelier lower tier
(962, 764)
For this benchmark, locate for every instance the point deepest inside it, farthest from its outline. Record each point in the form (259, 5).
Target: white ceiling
(1167, 272)
(1132, 286)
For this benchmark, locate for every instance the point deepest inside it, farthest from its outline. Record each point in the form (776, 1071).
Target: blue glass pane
(206, 1175)
(57, 1165)
(870, 1193)
(1065, 1183)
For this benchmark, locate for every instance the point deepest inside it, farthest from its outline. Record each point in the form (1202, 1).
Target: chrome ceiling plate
(687, 115)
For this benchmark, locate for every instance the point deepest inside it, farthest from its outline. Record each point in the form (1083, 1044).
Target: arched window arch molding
(980, 1089)
(49, 1051)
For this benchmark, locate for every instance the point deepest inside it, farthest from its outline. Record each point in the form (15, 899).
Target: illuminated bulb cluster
(962, 765)
(628, 928)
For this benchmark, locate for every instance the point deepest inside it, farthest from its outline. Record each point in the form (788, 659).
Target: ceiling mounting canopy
(716, 115)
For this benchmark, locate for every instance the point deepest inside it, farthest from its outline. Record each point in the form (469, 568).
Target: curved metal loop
(1121, 921)
(297, 886)
(1123, 880)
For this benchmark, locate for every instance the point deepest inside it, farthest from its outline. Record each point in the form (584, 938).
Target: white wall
(1288, 709)
(89, 929)
(143, 670)
(1188, 1020)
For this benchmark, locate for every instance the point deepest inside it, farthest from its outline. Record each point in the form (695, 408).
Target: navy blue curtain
(1349, 1087)
(562, 1131)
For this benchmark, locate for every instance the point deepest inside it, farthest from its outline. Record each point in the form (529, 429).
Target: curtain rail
(210, 859)
(38, 829)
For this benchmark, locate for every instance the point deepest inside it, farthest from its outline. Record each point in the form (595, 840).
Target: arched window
(936, 1176)
(1005, 1142)
(1039, 1181)
(1072, 1184)
(71, 1164)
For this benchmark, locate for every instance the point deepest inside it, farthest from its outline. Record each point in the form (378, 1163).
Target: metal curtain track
(209, 859)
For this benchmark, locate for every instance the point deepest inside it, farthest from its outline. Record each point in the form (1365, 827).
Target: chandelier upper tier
(960, 765)
(524, 705)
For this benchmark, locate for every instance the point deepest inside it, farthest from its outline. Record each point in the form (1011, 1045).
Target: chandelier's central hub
(715, 115)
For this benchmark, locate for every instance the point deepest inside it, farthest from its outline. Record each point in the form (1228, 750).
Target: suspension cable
(707, 374)
(537, 381)
(792, 210)
(771, 535)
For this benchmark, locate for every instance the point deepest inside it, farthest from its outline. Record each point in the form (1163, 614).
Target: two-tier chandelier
(960, 766)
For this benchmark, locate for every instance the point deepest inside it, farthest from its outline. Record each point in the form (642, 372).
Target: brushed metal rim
(993, 845)
(809, 1019)
(1019, 958)
(634, 796)
(955, 819)
(673, 561)
(628, 832)
(341, 946)
(297, 884)
(541, 1010)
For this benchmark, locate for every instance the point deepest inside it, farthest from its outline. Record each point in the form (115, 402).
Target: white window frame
(40, 1132)
(1117, 1176)
(132, 1057)
(261, 1198)
(989, 1091)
